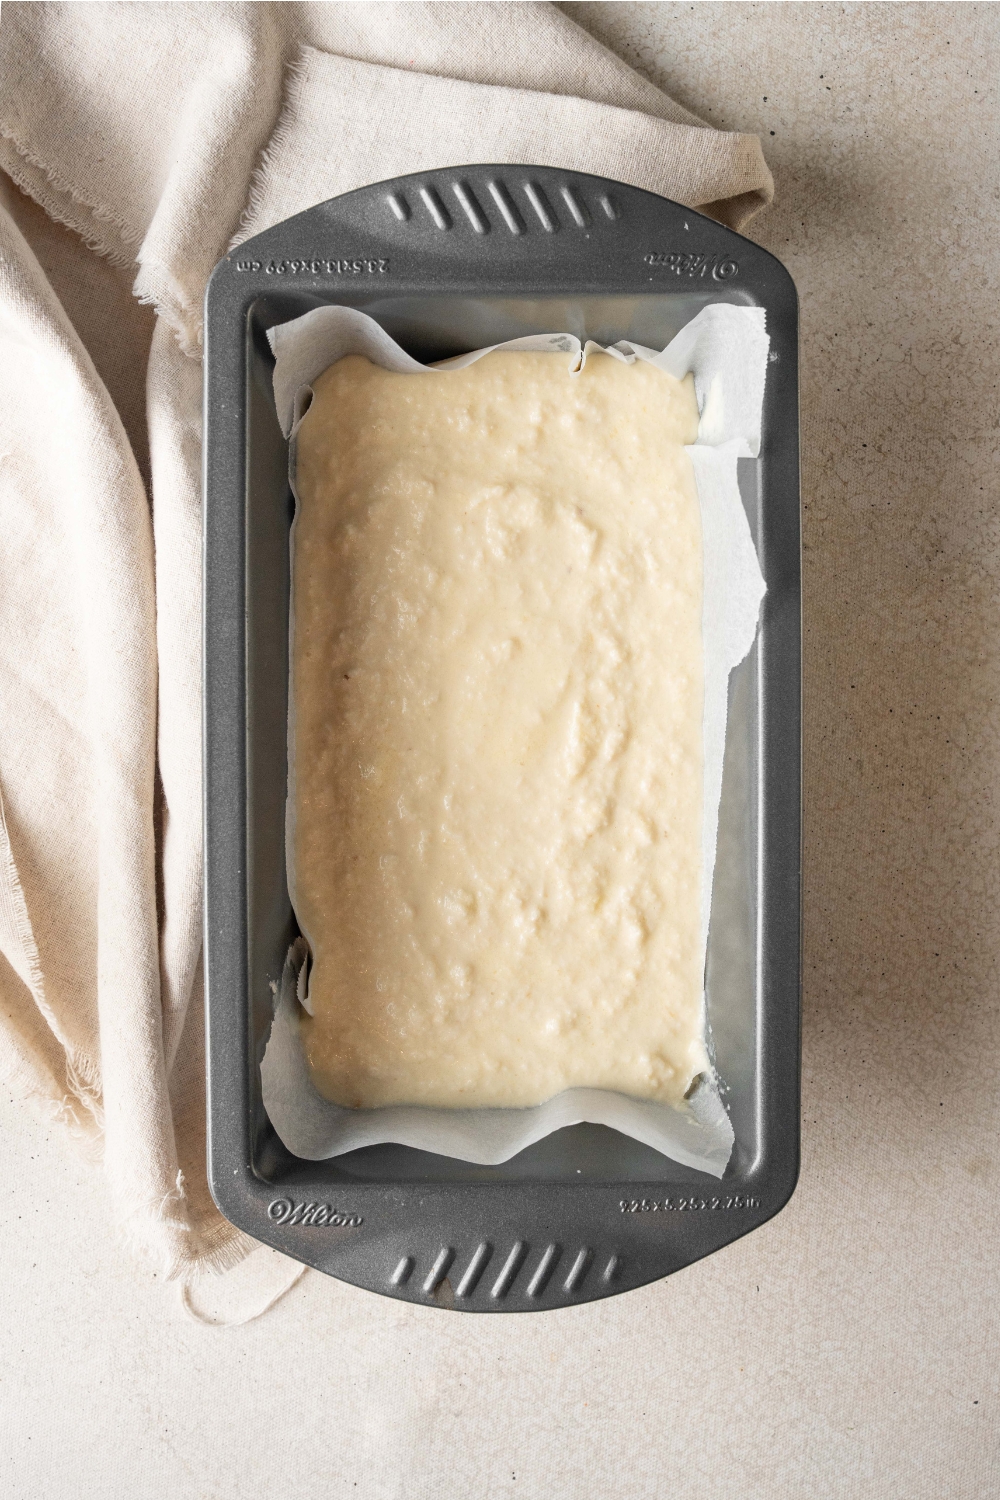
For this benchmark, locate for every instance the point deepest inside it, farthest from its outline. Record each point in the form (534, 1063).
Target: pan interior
(432, 328)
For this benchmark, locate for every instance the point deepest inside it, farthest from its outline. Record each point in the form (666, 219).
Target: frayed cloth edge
(296, 74)
(156, 287)
(56, 209)
(217, 1248)
(84, 1127)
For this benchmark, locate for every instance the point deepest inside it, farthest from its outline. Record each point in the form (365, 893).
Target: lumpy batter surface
(496, 798)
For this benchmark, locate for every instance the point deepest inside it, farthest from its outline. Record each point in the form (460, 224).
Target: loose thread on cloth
(197, 1316)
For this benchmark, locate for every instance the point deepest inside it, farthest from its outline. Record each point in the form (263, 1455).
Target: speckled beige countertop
(849, 1348)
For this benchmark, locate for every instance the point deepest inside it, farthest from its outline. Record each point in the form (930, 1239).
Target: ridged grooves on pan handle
(577, 207)
(535, 195)
(520, 206)
(544, 1270)
(474, 1270)
(432, 202)
(511, 1266)
(471, 205)
(579, 1269)
(439, 1269)
(507, 206)
(403, 1271)
(541, 1283)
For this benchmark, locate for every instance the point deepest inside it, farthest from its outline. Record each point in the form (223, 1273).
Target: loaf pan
(448, 261)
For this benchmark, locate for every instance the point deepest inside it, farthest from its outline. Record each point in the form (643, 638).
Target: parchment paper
(726, 348)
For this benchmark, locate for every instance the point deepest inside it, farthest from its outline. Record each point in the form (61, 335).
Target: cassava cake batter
(495, 815)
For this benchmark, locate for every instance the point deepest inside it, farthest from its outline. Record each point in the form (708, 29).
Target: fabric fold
(345, 123)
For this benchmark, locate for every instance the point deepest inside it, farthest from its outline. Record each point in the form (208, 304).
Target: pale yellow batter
(495, 820)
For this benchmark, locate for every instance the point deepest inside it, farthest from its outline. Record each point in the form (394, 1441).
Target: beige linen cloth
(139, 141)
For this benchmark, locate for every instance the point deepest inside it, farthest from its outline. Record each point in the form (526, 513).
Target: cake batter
(496, 734)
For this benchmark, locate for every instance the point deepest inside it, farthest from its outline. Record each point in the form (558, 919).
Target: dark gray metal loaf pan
(448, 261)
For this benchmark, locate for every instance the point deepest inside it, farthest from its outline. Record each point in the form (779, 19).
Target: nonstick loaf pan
(448, 261)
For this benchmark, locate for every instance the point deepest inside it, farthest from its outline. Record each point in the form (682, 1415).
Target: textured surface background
(850, 1347)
